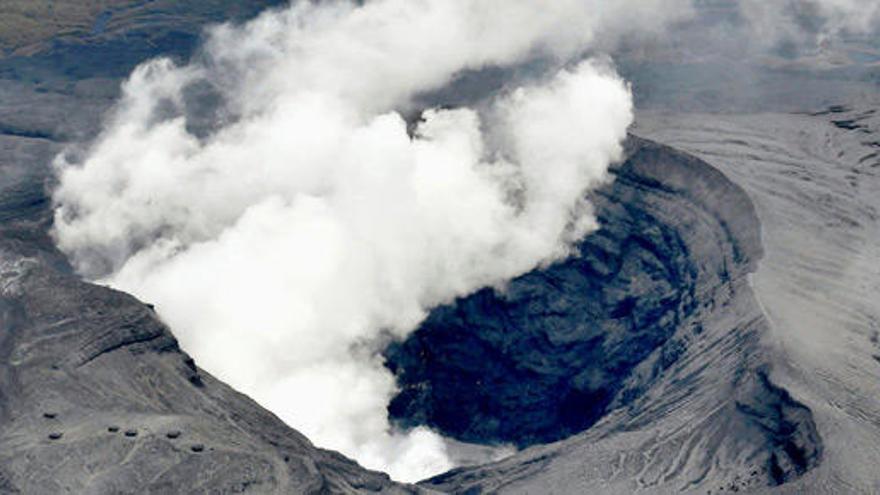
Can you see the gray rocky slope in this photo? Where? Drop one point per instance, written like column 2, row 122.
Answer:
column 718, row 334
column 814, row 180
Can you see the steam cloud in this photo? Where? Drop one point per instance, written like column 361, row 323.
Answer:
column 810, row 23
column 284, row 241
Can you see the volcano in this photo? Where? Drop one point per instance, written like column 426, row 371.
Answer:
column 719, row 331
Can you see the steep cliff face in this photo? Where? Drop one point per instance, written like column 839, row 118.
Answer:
column 649, row 343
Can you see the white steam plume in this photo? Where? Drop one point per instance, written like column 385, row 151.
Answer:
column 283, row 245
column 854, row 16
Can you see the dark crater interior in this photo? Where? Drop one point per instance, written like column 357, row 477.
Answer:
column 545, row 357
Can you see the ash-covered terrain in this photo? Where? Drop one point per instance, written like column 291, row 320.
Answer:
column 717, row 333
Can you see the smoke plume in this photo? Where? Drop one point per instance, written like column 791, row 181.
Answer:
column 285, row 219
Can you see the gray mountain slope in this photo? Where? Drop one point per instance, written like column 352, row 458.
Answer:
column 814, row 181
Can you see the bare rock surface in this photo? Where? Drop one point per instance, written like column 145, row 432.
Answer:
column 814, row 180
